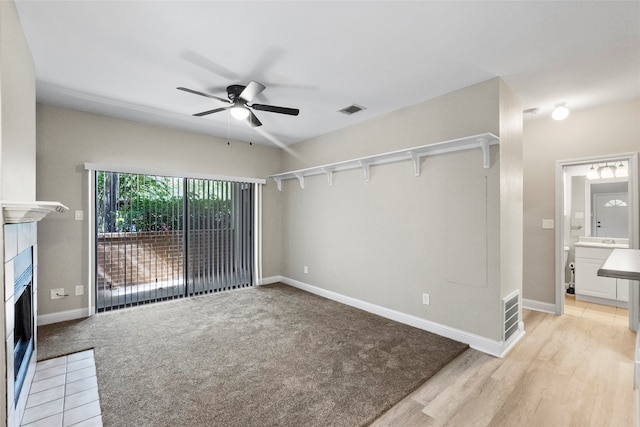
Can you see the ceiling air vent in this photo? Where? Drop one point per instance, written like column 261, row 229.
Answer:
column 351, row 109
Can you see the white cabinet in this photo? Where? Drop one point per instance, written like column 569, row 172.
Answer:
column 588, row 283
column 623, row 289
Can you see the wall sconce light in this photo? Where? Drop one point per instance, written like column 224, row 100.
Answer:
column 560, row 112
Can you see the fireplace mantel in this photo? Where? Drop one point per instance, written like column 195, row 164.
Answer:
column 19, row 212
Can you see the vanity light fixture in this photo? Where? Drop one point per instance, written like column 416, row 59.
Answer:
column 593, row 173
column 621, row 171
column 560, row 112
column 606, row 171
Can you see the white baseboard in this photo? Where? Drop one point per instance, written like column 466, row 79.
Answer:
column 62, row 316
column 485, row 345
column 545, row 307
column 603, row 301
column 270, row 280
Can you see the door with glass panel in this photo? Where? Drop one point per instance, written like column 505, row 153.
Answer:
column 160, row 237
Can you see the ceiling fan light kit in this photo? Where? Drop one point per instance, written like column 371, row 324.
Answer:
column 239, row 99
column 239, row 112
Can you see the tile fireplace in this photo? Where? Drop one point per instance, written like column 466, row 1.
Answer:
column 20, row 247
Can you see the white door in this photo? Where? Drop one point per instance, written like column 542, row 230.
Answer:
column 611, row 215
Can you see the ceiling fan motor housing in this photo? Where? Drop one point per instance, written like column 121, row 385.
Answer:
column 234, row 91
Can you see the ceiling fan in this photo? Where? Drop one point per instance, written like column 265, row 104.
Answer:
column 240, row 98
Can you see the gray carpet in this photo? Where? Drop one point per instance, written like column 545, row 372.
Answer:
column 266, row 356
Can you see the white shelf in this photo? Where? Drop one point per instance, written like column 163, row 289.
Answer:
column 19, row 212
column 414, row 154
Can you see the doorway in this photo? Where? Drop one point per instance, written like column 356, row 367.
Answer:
column 596, row 212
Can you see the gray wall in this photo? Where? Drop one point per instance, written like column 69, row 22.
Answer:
column 602, row 131
column 17, row 137
column 386, row 241
column 67, row 139
column 18, row 94
column 392, row 239
column 511, row 197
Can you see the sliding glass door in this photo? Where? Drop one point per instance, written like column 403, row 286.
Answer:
column 160, row 238
column 219, row 249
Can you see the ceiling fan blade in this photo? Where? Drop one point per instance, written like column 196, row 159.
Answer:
column 253, row 120
column 274, row 109
column 204, row 113
column 252, row 90
column 203, row 94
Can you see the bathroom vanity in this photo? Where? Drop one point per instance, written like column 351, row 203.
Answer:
column 590, row 254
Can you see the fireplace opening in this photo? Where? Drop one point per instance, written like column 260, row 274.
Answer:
column 23, row 326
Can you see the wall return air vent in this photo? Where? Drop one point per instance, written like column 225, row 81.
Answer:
column 511, row 309
column 351, row 109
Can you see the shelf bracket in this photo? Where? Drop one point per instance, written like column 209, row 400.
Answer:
column 278, row 183
column 329, row 173
column 300, row 179
column 415, row 158
column 486, row 153
column 365, row 167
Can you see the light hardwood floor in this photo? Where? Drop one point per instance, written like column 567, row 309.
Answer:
column 603, row 313
column 566, row 371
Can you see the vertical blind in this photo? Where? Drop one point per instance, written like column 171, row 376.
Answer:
column 160, row 237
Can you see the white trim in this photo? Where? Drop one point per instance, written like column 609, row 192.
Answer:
column 62, row 316
column 91, row 280
column 602, row 301
column 477, row 342
column 270, row 280
column 162, row 172
column 544, row 307
column 257, row 228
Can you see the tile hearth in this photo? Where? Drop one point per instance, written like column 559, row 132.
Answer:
column 64, row 393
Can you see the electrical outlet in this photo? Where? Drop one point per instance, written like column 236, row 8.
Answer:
column 57, row 293
column 425, row 299
column 306, row 269
column 79, row 290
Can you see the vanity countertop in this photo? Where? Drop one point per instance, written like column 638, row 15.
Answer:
column 622, row 264
column 602, row 242
column 601, row 245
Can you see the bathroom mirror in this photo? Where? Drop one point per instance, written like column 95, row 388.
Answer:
column 607, row 204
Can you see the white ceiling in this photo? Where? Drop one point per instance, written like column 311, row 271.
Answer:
column 125, row 59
